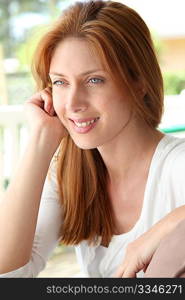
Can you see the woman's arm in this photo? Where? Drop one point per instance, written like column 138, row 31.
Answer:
column 168, row 260
column 20, row 204
column 47, row 233
column 139, row 252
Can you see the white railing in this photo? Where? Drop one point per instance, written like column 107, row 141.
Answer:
column 14, row 132
column 13, row 137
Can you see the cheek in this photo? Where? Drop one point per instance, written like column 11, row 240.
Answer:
column 57, row 103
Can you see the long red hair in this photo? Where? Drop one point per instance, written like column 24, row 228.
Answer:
column 123, row 42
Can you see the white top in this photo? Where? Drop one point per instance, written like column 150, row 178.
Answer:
column 165, row 190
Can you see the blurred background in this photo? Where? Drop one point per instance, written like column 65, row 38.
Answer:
column 22, row 23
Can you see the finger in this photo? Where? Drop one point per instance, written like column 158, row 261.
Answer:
column 117, row 275
column 52, row 112
column 119, row 272
column 145, row 268
column 36, row 99
column 43, row 99
column 49, row 90
column 44, row 96
column 129, row 274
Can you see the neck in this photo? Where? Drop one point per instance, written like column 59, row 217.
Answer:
column 131, row 149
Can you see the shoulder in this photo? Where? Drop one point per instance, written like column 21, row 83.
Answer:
column 167, row 173
column 174, row 167
column 177, row 163
column 176, row 153
column 169, row 161
column 171, row 149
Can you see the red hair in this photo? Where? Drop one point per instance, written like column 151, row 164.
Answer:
column 123, row 42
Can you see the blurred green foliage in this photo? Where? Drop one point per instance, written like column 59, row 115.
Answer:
column 20, row 85
column 10, row 11
column 174, row 82
column 25, row 51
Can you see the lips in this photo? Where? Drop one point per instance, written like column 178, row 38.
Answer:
column 84, row 127
column 83, row 120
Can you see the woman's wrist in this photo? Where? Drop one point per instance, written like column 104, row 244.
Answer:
column 45, row 141
column 169, row 222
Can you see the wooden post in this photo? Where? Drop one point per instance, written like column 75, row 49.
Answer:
column 3, row 86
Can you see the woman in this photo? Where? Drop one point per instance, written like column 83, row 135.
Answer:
column 115, row 185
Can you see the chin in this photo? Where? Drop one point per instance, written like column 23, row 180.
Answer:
column 85, row 146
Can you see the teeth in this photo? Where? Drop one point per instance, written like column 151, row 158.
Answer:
column 85, row 124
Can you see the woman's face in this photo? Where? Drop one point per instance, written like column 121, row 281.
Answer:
column 87, row 101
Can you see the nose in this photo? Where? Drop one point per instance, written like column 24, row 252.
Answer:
column 76, row 100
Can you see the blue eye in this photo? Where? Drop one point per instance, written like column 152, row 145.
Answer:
column 93, row 80
column 58, row 82
column 96, row 80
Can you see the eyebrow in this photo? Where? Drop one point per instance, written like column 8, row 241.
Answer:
column 84, row 73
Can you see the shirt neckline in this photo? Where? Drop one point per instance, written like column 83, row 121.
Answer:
column 156, row 155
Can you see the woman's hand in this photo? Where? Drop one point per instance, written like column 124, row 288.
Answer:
column 138, row 254
column 41, row 115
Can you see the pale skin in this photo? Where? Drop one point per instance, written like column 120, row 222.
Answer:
column 119, row 130
column 19, row 206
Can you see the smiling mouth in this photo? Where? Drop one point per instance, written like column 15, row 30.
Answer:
column 84, row 124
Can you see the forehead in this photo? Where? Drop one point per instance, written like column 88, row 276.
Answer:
column 75, row 53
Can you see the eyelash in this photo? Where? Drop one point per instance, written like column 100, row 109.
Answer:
column 99, row 79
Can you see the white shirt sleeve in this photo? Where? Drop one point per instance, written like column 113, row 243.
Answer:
column 47, row 233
